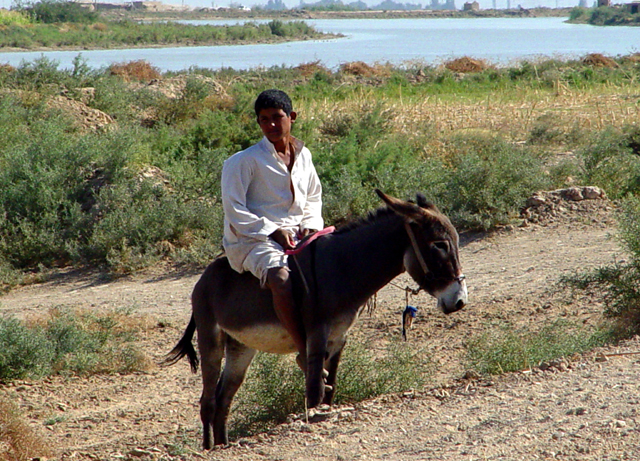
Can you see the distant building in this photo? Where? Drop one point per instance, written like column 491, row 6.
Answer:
column 128, row 5
column 634, row 8
column 471, row 6
column 604, row 3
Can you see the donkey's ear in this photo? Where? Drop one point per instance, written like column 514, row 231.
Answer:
column 424, row 203
column 409, row 210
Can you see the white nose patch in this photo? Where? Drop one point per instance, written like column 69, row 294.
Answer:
column 451, row 297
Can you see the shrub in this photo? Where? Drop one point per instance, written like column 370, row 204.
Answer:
column 604, row 16
column 399, row 368
column 27, row 352
column 52, row 11
column 135, row 70
column 610, row 163
column 274, row 387
column 8, row 18
column 141, row 224
column 490, row 181
column 577, row 13
column 618, row 284
column 39, row 73
column 547, row 129
column 78, row 342
column 508, row 349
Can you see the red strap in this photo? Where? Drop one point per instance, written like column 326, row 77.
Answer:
column 307, row 241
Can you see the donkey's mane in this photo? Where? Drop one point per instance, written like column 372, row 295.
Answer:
column 370, row 218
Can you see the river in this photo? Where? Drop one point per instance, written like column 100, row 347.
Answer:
column 501, row 41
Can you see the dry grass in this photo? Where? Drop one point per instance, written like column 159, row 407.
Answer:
column 18, row 441
column 510, row 115
column 118, row 321
column 135, row 70
column 100, row 27
column 571, row 110
column 359, row 68
column 635, row 57
column 599, row 60
column 362, row 69
column 466, row 65
column 309, row 69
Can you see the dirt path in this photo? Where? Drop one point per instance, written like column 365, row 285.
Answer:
column 586, row 411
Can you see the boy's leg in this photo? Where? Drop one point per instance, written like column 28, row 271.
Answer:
column 280, row 285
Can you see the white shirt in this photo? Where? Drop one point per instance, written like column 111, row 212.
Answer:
column 257, row 197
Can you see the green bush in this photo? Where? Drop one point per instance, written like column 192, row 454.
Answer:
column 608, row 16
column 8, row 18
column 80, row 343
column 507, row 349
column 400, row 368
column 609, row 162
column 577, row 13
column 53, row 11
column 81, row 199
column 490, row 181
column 26, row 352
column 618, row 284
column 274, row 387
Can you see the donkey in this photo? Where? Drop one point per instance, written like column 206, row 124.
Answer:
column 333, row 277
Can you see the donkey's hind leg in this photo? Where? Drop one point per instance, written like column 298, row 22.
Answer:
column 211, row 347
column 238, row 357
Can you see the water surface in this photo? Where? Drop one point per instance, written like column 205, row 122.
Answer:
column 501, row 41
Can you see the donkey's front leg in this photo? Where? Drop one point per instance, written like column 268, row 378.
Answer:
column 316, row 355
column 332, row 369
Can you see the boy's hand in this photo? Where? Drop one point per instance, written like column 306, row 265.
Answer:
column 304, row 232
column 283, row 238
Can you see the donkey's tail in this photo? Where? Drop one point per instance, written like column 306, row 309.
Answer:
column 184, row 347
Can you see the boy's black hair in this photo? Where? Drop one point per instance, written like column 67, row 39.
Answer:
column 273, row 99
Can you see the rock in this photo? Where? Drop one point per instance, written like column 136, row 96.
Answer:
column 593, row 193
column 536, row 200
column 573, row 194
column 471, row 375
column 577, row 411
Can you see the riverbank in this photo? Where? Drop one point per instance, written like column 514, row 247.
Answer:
column 224, row 13
column 617, row 15
column 131, row 34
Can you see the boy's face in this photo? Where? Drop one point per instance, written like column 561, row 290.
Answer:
column 276, row 124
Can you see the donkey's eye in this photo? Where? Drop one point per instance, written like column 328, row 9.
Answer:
column 442, row 245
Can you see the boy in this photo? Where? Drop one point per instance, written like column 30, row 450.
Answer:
column 271, row 197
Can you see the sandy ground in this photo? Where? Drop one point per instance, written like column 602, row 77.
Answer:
column 582, row 408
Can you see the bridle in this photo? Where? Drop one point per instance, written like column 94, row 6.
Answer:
column 416, row 249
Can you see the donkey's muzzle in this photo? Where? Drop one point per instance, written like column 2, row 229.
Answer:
column 454, row 297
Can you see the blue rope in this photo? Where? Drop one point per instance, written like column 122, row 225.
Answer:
column 407, row 318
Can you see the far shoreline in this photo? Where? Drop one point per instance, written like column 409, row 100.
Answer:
column 49, row 49
column 301, row 15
